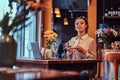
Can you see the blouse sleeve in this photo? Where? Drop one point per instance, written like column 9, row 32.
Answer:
column 92, row 50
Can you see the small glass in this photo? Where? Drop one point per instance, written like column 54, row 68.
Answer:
column 113, row 45
column 29, row 50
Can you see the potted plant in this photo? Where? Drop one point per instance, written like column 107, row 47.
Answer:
column 106, row 36
column 8, row 46
column 49, row 36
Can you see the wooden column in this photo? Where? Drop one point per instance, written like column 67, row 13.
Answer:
column 92, row 18
column 46, row 18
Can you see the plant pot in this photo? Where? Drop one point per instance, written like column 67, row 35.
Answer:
column 8, row 49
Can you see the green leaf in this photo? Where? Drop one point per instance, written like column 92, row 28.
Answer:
column 21, row 27
column 20, row 18
column 4, row 23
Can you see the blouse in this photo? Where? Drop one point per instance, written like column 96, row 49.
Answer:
column 86, row 42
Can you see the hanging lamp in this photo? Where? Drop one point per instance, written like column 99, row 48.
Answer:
column 57, row 10
column 65, row 21
column 58, row 15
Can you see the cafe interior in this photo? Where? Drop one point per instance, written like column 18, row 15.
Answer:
column 32, row 31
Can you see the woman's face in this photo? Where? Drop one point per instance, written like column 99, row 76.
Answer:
column 80, row 25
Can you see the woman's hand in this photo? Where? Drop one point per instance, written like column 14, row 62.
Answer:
column 80, row 49
column 71, row 51
column 67, row 46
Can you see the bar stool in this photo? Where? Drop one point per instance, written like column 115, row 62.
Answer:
column 114, row 58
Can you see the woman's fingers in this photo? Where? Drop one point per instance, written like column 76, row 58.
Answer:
column 80, row 49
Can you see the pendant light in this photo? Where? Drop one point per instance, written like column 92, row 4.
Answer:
column 58, row 15
column 57, row 10
column 65, row 21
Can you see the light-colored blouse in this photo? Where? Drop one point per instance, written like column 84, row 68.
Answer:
column 87, row 43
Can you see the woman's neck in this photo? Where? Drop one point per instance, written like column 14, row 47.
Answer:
column 80, row 34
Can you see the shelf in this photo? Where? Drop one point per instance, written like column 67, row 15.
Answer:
column 110, row 17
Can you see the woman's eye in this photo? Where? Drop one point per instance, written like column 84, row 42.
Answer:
column 81, row 23
column 76, row 23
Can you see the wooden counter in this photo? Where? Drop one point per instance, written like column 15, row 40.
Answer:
column 62, row 64
column 36, row 74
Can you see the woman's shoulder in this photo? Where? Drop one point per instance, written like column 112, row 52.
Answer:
column 74, row 38
column 91, row 38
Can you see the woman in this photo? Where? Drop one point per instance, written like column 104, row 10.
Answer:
column 81, row 46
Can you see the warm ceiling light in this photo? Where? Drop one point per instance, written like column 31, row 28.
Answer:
column 58, row 15
column 65, row 21
column 57, row 10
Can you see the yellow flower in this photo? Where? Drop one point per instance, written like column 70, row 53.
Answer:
column 50, row 35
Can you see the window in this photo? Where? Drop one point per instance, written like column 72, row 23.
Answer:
column 3, row 9
column 25, row 36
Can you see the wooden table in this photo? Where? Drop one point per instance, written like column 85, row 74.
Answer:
column 36, row 74
column 62, row 64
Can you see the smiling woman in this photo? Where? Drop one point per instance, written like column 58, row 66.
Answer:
column 81, row 46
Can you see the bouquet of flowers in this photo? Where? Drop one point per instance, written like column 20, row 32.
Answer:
column 50, row 36
column 106, row 35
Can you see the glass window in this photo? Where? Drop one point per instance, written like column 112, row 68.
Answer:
column 25, row 36
column 3, row 9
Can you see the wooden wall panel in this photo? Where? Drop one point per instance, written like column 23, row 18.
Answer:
column 92, row 18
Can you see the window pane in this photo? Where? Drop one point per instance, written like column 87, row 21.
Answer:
column 30, row 35
column 25, row 36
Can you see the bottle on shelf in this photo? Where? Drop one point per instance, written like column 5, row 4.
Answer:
column 118, row 12
column 113, row 11
column 106, row 12
column 109, row 12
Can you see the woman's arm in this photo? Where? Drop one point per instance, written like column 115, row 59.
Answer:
column 91, row 53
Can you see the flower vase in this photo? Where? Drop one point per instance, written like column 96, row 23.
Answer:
column 49, row 53
column 106, row 46
column 8, row 49
column 43, row 51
